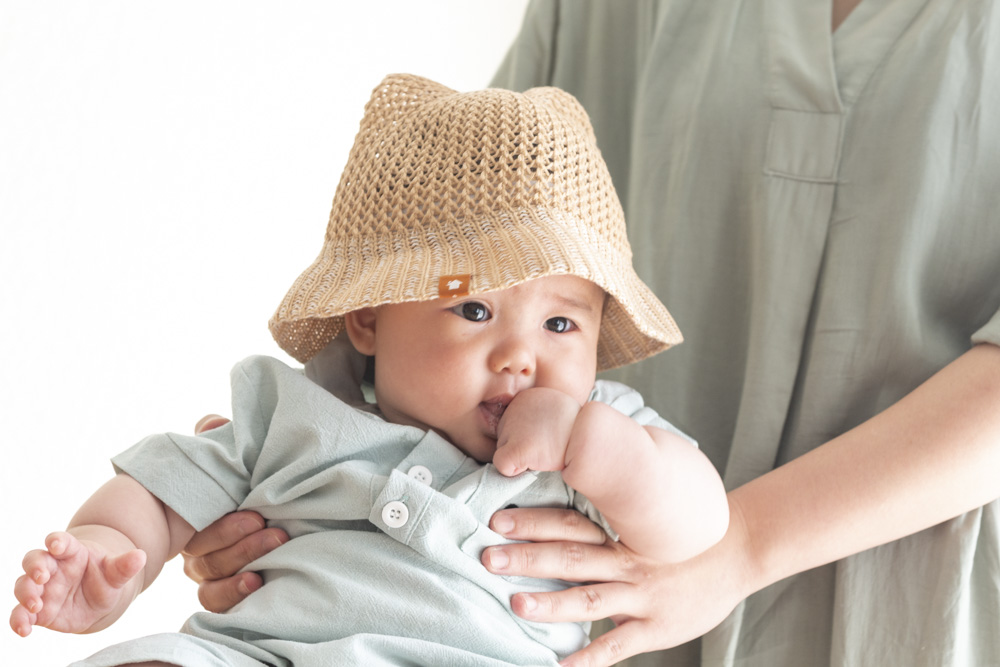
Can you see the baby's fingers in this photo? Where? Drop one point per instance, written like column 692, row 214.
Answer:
column 515, row 456
column 118, row 570
column 62, row 545
column 28, row 592
column 29, row 596
column 29, row 588
column 512, row 459
column 21, row 620
column 38, row 565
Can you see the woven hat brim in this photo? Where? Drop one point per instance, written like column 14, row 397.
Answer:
column 499, row 251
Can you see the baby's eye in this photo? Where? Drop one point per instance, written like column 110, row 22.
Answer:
column 559, row 324
column 472, row 311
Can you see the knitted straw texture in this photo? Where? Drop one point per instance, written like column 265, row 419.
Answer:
column 503, row 186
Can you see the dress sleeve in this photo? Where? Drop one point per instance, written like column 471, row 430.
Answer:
column 630, row 403
column 530, row 59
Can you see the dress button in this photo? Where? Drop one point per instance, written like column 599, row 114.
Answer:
column 395, row 514
column 421, row 474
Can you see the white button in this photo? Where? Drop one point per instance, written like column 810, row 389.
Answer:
column 421, row 474
column 395, row 514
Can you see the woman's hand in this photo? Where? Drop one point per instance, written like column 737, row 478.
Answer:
column 928, row 458
column 654, row 606
column 214, row 556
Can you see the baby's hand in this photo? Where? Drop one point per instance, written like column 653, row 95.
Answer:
column 534, row 431
column 71, row 586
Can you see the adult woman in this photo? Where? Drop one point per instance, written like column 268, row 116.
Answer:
column 818, row 208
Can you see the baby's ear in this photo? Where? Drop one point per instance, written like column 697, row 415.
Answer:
column 360, row 326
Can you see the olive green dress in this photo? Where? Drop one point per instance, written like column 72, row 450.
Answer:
column 821, row 213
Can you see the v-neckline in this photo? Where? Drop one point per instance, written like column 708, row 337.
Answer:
column 834, row 28
column 864, row 39
column 813, row 68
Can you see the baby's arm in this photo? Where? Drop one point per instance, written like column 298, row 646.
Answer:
column 89, row 574
column 661, row 494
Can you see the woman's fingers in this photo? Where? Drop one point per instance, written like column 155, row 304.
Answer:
column 215, row 555
column 624, row 602
column 547, row 525
column 227, row 561
column 223, row 534
column 561, row 544
column 590, row 602
column 208, row 422
column 221, row 595
column 656, row 605
column 611, row 647
column 548, row 560
column 570, row 561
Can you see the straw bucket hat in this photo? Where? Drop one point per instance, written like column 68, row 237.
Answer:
column 447, row 194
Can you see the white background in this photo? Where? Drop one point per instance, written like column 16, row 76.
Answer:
column 166, row 171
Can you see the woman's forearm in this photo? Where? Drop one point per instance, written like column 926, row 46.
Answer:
column 930, row 457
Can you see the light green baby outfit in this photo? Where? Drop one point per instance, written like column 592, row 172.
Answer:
column 387, row 522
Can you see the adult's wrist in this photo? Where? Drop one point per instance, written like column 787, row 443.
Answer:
column 745, row 551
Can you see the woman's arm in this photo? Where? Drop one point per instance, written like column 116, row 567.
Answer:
column 928, row 458
column 932, row 456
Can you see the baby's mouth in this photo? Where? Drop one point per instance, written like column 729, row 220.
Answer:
column 492, row 410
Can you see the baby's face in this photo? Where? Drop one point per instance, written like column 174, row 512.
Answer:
column 453, row 365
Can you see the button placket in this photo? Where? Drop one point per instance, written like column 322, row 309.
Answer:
column 434, row 461
column 792, row 132
column 399, row 505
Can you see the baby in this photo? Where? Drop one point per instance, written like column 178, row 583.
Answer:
column 476, row 255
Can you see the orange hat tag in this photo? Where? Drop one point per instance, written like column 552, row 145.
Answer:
column 449, row 286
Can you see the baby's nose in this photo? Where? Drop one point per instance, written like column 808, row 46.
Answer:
column 513, row 356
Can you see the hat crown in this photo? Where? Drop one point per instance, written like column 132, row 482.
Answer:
column 428, row 157
column 500, row 186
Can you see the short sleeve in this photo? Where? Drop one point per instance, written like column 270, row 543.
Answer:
column 990, row 332
column 582, row 504
column 204, row 477
column 630, row 403
column 194, row 476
